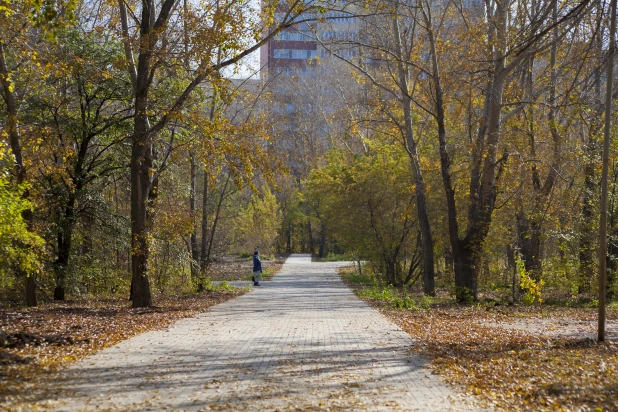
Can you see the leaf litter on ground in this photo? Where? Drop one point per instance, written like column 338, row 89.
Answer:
column 51, row 336
column 516, row 365
column 35, row 342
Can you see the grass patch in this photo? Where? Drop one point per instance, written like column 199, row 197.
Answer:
column 396, row 298
column 368, row 287
column 351, row 276
column 223, row 287
column 333, row 257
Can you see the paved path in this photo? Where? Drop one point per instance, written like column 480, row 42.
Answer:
column 303, row 341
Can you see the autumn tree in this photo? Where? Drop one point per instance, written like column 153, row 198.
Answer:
column 366, row 201
column 388, row 71
column 83, row 113
column 504, row 52
column 221, row 39
column 25, row 24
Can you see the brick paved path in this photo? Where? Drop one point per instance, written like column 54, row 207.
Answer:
column 300, row 342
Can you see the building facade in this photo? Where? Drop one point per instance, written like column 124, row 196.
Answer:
column 297, row 50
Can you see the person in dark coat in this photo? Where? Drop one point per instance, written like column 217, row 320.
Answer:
column 257, row 269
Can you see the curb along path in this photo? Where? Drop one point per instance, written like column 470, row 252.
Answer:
column 302, row 341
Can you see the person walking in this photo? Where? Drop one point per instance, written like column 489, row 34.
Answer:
column 257, row 268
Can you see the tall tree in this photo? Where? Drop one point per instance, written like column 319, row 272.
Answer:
column 84, row 113
column 393, row 77
column 228, row 28
column 10, row 101
column 18, row 20
column 504, row 55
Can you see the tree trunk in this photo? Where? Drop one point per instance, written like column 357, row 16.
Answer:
column 466, row 261
column 419, row 183
column 143, row 187
column 612, row 264
column 140, row 248
column 216, row 219
column 65, row 239
column 20, row 169
column 587, row 242
column 322, row 245
column 195, row 253
column 141, row 174
column 460, row 261
column 529, row 239
column 487, row 167
column 67, row 224
column 204, row 248
column 88, row 243
column 482, row 196
column 389, row 266
column 310, row 230
column 289, row 238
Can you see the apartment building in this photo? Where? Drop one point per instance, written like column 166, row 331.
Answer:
column 297, row 50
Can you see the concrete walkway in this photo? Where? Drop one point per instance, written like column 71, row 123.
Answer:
column 302, row 341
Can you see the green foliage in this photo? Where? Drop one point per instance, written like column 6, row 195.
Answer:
column 20, row 249
column 398, row 299
column 405, row 302
column 379, row 292
column 170, row 266
column 258, row 224
column 366, row 203
column 425, row 302
column 90, row 275
column 223, row 286
column 266, row 275
column 464, row 295
column 353, row 277
column 532, row 289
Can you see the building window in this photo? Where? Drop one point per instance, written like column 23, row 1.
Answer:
column 338, row 35
column 339, row 17
column 292, row 36
column 279, row 17
column 294, row 54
